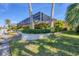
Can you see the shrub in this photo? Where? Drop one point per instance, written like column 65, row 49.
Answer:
column 19, row 26
column 36, row 31
column 14, row 27
column 64, row 29
column 42, row 26
column 23, row 27
column 77, row 29
column 59, row 25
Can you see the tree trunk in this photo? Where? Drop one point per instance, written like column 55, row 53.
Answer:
column 31, row 17
column 52, row 17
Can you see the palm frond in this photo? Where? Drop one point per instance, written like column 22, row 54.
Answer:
column 72, row 14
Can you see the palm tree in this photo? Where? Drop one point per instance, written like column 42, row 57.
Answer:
column 8, row 23
column 72, row 15
column 31, row 18
column 52, row 16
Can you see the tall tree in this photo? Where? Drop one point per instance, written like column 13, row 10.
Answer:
column 72, row 14
column 52, row 16
column 7, row 22
column 31, row 17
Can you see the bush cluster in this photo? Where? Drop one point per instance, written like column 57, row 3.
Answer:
column 42, row 26
column 36, row 31
column 59, row 26
column 77, row 29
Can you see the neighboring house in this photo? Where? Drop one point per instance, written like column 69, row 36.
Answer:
column 37, row 18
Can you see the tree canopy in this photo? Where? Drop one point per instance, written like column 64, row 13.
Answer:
column 72, row 14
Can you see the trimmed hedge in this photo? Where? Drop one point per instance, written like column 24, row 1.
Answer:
column 36, row 31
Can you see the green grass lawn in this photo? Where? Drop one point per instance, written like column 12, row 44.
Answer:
column 62, row 45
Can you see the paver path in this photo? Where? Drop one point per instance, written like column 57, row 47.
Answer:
column 4, row 48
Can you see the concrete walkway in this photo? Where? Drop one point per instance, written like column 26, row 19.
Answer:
column 4, row 48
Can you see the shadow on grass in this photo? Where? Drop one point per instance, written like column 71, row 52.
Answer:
column 18, row 48
column 71, row 32
column 67, row 47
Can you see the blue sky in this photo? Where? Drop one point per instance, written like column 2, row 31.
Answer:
column 18, row 12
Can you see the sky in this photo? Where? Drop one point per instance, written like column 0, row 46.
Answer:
column 17, row 12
